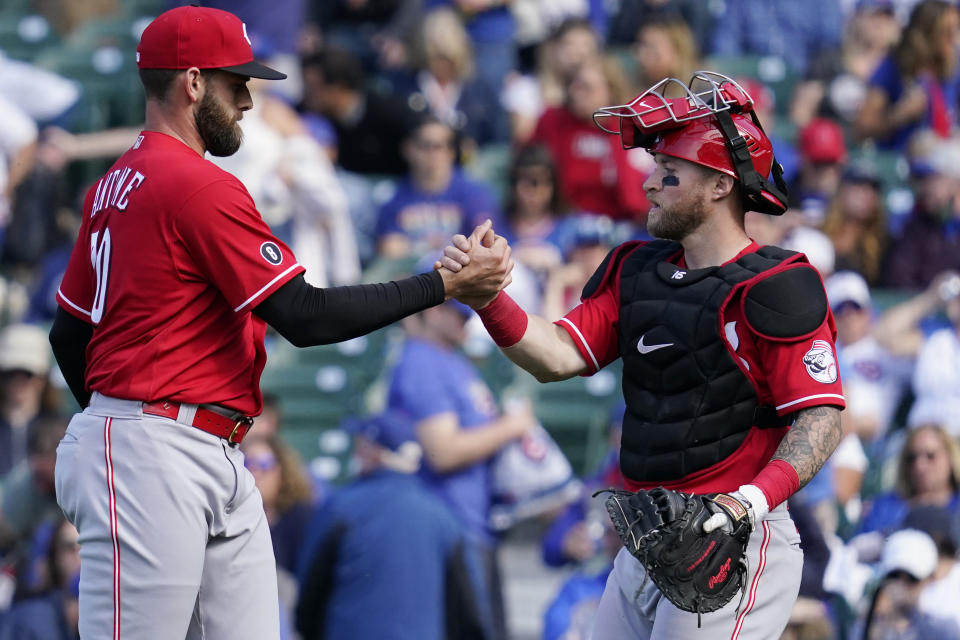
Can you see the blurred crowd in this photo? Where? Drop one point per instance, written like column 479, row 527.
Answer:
column 404, row 122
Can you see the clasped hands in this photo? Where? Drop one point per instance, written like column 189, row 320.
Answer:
column 475, row 268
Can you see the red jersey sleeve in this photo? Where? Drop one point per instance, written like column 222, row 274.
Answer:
column 789, row 374
column 231, row 246
column 75, row 294
column 593, row 325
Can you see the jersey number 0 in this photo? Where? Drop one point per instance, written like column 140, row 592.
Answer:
column 100, row 259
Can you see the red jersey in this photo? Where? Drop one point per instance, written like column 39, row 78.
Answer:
column 782, row 371
column 596, row 173
column 172, row 256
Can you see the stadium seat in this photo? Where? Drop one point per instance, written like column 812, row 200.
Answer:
column 16, row 7
column 491, row 164
column 577, row 411
column 318, row 387
column 498, row 371
column 24, row 35
column 893, row 171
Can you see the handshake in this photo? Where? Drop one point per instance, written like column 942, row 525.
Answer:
column 475, row 269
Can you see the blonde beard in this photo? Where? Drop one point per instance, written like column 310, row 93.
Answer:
column 671, row 225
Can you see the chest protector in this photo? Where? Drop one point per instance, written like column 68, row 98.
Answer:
column 689, row 404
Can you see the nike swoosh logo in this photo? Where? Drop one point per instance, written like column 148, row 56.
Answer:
column 647, row 348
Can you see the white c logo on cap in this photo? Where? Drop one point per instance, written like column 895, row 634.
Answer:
column 245, row 36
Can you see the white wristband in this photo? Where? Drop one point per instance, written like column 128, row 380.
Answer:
column 758, row 502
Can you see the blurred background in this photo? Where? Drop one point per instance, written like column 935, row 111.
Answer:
column 403, row 122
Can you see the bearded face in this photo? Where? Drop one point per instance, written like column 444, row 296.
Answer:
column 679, row 217
column 679, row 193
column 219, row 130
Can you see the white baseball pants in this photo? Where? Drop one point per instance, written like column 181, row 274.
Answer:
column 174, row 542
column 633, row 608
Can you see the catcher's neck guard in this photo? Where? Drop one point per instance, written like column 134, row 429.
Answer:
column 677, row 126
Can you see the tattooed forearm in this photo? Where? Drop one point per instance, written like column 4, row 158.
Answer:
column 810, row 441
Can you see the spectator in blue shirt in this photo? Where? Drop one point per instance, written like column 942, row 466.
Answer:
column 436, row 200
column 51, row 614
column 928, row 473
column 917, row 85
column 457, row 423
column 384, row 557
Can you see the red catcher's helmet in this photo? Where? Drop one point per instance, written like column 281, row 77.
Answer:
column 702, row 142
column 714, row 127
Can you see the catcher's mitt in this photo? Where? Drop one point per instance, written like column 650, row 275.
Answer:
column 697, row 571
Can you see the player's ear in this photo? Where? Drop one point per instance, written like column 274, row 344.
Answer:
column 721, row 185
column 194, row 83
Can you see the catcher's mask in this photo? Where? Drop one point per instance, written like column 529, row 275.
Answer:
column 713, row 124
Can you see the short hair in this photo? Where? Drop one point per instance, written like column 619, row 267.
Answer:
column 426, row 120
column 156, row 82
column 338, row 66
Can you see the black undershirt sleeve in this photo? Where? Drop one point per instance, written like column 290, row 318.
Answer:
column 69, row 337
column 307, row 315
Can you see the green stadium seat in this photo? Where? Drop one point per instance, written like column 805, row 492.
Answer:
column 883, row 299
column 327, row 453
column 893, row 171
column 576, row 412
column 497, row 370
column 491, row 164
column 140, row 8
column 318, row 387
column 23, row 36
column 16, row 7
column 891, row 167
column 112, row 95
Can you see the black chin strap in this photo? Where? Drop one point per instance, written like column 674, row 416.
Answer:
column 756, row 188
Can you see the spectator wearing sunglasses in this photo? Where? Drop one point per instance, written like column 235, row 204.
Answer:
column 436, row 199
column 928, row 473
column 287, row 494
column 874, row 383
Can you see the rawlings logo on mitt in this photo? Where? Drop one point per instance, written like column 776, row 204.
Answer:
column 697, row 571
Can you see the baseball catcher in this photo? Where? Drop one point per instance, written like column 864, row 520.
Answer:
column 729, row 373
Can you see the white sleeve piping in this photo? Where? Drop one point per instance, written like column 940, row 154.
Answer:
column 583, row 341
column 805, row 398
column 70, row 302
column 266, row 286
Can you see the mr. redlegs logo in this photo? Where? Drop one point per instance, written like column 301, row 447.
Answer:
column 721, row 575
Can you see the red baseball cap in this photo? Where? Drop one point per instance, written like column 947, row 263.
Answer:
column 200, row 37
column 822, row 141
